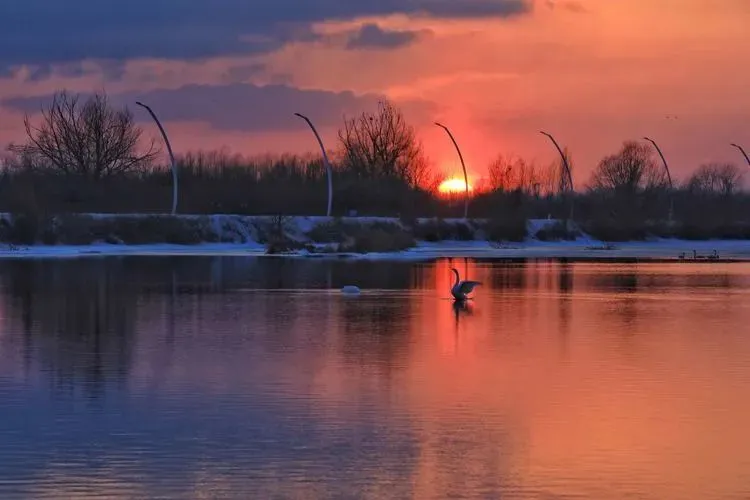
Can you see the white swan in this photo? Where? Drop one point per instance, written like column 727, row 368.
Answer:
column 461, row 289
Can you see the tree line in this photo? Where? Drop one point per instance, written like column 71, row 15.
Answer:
column 86, row 155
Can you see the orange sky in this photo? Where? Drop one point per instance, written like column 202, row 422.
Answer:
column 592, row 72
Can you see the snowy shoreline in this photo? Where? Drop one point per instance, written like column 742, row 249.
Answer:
column 579, row 250
column 243, row 236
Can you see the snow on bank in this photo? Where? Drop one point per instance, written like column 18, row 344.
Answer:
column 240, row 235
column 662, row 249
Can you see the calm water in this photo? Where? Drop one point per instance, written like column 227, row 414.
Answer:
column 252, row 378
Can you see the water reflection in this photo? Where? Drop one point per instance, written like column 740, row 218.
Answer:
column 237, row 377
column 83, row 322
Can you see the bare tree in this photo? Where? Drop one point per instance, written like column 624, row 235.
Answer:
column 88, row 138
column 511, row 173
column 629, row 171
column 383, row 145
column 716, row 179
column 500, row 173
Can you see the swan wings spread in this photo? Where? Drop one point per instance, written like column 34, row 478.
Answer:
column 466, row 287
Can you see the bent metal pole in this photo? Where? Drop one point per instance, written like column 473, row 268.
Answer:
column 743, row 153
column 325, row 160
column 463, row 166
column 171, row 156
column 567, row 168
column 669, row 176
column 663, row 160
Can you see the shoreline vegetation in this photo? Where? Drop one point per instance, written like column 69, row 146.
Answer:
column 320, row 236
column 85, row 176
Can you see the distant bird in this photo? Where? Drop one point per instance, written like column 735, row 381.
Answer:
column 350, row 290
column 461, row 289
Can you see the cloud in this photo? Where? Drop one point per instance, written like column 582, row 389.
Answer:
column 372, row 36
column 569, row 5
column 240, row 107
column 243, row 72
column 40, row 32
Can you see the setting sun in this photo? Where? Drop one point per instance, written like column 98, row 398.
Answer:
column 454, row 185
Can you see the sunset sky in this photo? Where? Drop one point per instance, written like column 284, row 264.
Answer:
column 231, row 73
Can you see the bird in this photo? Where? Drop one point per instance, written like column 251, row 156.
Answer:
column 461, row 289
column 350, row 290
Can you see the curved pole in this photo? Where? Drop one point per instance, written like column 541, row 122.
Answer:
column 669, row 176
column 463, row 166
column 325, row 160
column 664, row 160
column 171, row 156
column 564, row 159
column 743, row 153
column 567, row 168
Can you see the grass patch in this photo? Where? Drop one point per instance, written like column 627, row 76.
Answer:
column 363, row 237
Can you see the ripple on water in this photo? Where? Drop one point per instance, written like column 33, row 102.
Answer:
column 245, row 378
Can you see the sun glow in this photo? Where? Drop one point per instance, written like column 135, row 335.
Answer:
column 454, row 185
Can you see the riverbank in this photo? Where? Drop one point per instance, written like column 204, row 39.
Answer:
column 92, row 235
column 591, row 251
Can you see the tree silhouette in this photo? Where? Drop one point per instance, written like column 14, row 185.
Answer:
column 89, row 138
column 383, row 145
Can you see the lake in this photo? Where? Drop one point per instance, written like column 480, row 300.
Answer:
column 231, row 377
